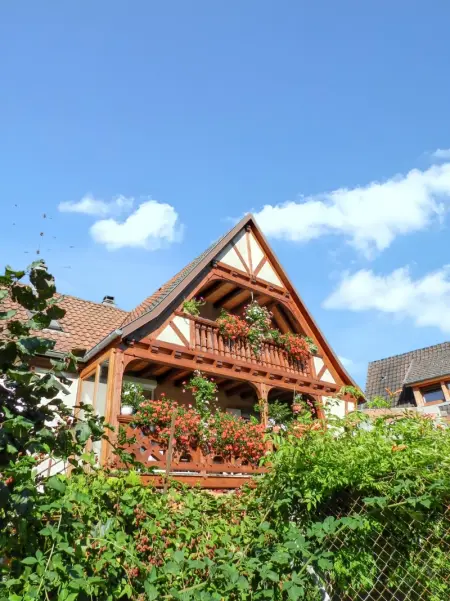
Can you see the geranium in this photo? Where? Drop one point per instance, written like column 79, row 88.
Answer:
column 297, row 346
column 232, row 326
column 232, row 436
column 156, row 416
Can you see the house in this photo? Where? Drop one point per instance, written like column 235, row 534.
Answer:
column 419, row 379
column 159, row 345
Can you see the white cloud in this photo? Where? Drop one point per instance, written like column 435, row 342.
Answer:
column 151, row 226
column 89, row 205
column 441, row 154
column 426, row 301
column 347, row 363
column 370, row 217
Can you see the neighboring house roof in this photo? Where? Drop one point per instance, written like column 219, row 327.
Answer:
column 83, row 326
column 429, row 368
column 395, row 372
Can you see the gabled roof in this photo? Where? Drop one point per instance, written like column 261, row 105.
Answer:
column 152, row 302
column 409, row 368
column 153, row 306
column 83, row 326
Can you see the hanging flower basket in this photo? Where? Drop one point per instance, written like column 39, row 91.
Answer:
column 255, row 326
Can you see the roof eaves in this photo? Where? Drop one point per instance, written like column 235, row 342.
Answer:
column 197, row 266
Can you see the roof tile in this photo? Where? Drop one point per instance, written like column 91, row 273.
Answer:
column 84, row 325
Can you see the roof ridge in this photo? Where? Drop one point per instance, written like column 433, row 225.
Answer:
column 98, row 304
column 172, row 283
column 425, row 348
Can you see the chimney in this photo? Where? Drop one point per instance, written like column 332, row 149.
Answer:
column 109, row 300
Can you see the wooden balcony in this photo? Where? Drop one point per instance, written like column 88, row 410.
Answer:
column 206, row 338
column 193, row 467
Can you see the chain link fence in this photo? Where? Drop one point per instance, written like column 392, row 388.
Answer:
column 395, row 552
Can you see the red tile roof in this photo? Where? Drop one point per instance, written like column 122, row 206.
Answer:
column 84, row 325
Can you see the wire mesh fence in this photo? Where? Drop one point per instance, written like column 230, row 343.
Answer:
column 387, row 552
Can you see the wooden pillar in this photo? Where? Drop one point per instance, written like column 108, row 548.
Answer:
column 117, row 366
column 263, row 399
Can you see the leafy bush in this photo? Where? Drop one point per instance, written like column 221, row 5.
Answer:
column 358, row 511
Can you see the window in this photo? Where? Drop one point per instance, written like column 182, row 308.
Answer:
column 431, row 395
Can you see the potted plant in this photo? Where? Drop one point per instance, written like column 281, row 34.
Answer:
column 132, row 398
column 192, row 306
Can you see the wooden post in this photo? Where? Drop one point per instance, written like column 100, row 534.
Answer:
column 113, row 398
column 263, row 399
column 169, row 451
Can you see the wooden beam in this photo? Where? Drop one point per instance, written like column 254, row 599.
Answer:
column 239, row 300
column 227, row 297
column 218, row 366
column 211, row 289
column 293, row 325
column 182, row 375
column 170, row 375
column 248, row 394
column 221, row 291
column 236, row 389
column 281, row 320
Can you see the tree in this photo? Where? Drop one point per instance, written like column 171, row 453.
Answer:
column 34, row 422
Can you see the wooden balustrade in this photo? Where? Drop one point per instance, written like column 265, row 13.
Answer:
column 192, row 467
column 207, row 338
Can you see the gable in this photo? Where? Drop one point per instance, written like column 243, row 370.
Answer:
column 245, row 253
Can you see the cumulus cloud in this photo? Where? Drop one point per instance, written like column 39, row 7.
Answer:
column 88, row 205
column 426, row 300
column 441, row 154
column 151, row 226
column 370, row 217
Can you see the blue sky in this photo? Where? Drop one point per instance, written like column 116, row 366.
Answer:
column 210, row 110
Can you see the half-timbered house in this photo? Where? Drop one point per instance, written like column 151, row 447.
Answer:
column 159, row 345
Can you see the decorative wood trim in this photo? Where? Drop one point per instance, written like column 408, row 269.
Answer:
column 260, row 266
column 323, row 369
column 248, row 233
column 242, row 278
column 241, row 258
column 179, row 333
column 446, row 391
column 226, row 366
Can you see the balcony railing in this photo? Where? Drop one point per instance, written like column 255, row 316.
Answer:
column 206, row 338
column 191, row 467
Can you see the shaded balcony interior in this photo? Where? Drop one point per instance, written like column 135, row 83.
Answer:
column 233, row 298
column 234, row 396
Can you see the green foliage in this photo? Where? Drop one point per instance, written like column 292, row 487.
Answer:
column 192, row 306
column 351, row 391
column 280, row 413
column 378, row 402
column 359, row 510
column 204, row 391
column 132, row 395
